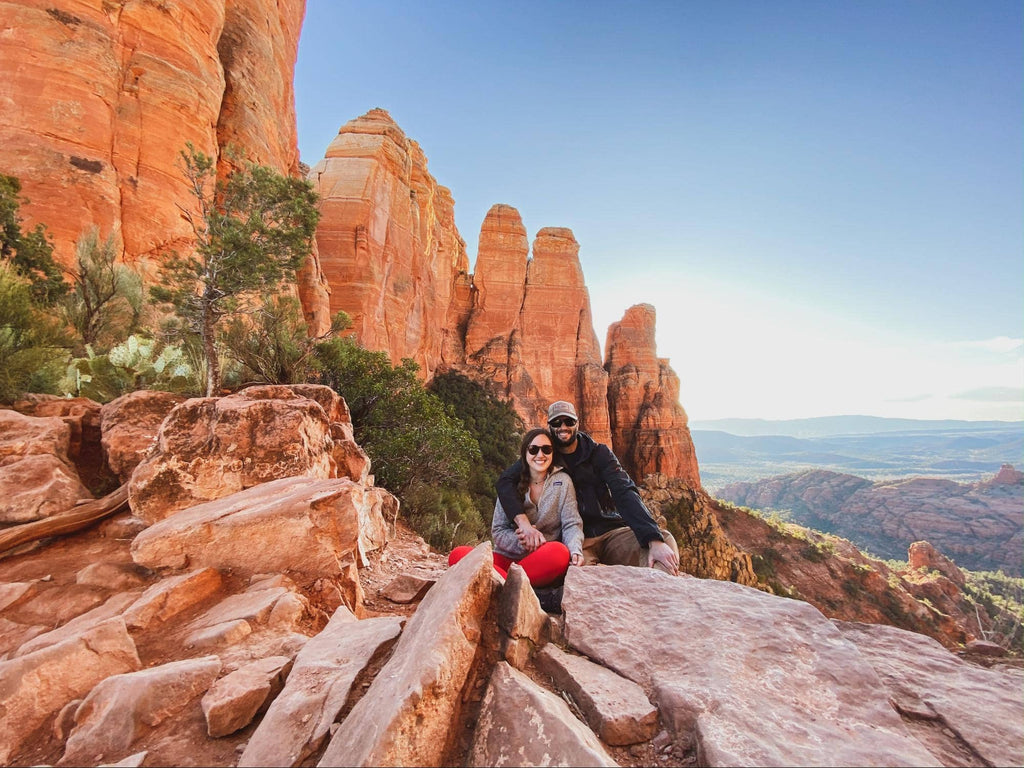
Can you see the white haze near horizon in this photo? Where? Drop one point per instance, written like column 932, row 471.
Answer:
column 743, row 354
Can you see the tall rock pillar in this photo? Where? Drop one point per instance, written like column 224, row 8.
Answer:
column 648, row 425
column 387, row 240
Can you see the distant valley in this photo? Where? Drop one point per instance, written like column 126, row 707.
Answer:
column 979, row 525
column 744, row 450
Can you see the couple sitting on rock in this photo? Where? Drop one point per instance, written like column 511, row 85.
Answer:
column 567, row 500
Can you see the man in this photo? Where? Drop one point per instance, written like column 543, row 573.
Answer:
column 618, row 528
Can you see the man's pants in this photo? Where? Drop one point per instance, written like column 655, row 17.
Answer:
column 620, row 547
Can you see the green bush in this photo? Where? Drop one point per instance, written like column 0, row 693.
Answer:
column 413, row 440
column 495, row 425
column 33, row 344
column 29, row 253
column 105, row 302
column 272, row 345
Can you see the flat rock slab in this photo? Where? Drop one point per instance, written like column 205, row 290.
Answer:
column 616, row 709
column 296, row 524
column 319, row 685
column 118, row 710
column 234, row 700
column 406, row 589
column 984, row 707
column 170, row 596
column 37, row 685
column 520, row 723
column 80, row 624
column 753, row 678
column 406, row 715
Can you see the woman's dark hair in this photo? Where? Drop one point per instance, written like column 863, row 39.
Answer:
column 524, row 476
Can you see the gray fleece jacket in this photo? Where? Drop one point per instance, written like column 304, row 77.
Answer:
column 555, row 515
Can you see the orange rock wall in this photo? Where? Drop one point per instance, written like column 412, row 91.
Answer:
column 99, row 97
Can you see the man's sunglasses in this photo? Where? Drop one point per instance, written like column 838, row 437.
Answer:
column 565, row 421
column 533, row 450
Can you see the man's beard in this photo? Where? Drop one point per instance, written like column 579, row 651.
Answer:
column 559, row 443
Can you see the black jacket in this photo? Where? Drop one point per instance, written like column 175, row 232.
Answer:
column 606, row 496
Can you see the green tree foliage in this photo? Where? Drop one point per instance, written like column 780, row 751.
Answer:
column 1002, row 597
column 496, row 427
column 252, row 230
column 273, row 345
column 33, row 345
column 30, row 253
column 105, row 302
column 415, row 443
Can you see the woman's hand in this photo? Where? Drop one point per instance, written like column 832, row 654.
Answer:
column 529, row 537
column 576, row 559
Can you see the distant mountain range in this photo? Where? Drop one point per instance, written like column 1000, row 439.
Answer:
column 738, row 450
column 829, row 426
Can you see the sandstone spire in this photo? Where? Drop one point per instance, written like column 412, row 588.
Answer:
column 649, row 426
column 387, row 239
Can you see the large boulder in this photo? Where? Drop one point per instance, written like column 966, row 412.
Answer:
column 129, row 427
column 764, row 680
column 406, row 716
column 522, row 724
column 296, row 524
column 209, row 448
column 37, row 478
column 123, row 707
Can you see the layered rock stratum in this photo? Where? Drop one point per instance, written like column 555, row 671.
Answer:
column 979, row 525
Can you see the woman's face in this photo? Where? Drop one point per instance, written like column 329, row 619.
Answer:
column 539, row 453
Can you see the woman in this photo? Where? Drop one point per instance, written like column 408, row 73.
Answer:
column 548, row 536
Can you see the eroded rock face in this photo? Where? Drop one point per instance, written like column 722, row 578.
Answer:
column 129, row 427
column 209, row 448
column 101, row 98
column 404, row 717
column 37, row 478
column 705, row 550
column 387, row 239
column 649, row 427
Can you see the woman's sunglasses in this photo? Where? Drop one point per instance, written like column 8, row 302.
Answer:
column 533, row 450
column 564, row 421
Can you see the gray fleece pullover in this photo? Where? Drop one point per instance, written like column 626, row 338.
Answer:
column 555, row 515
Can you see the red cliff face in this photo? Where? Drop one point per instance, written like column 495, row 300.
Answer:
column 649, row 426
column 98, row 99
column 387, row 239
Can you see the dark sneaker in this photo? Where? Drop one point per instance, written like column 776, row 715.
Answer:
column 550, row 598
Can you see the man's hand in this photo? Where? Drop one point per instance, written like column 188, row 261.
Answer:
column 661, row 553
column 529, row 537
column 576, row 559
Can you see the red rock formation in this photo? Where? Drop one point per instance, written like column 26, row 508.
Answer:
column 98, row 99
column 529, row 331
column 649, row 426
column 387, row 239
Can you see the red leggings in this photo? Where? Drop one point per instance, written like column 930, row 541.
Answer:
column 544, row 565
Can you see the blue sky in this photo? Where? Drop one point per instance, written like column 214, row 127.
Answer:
column 823, row 201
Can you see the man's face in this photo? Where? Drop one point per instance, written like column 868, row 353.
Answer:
column 563, row 430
